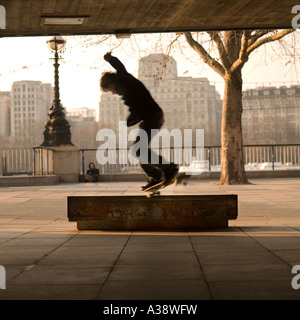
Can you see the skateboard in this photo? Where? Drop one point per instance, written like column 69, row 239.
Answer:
column 180, row 178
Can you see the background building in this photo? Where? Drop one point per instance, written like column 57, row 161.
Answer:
column 81, row 113
column 271, row 115
column 5, row 114
column 188, row 103
column 84, row 127
column 30, row 104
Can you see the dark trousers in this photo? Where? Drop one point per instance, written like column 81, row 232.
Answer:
column 153, row 171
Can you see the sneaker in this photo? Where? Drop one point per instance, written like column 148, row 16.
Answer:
column 153, row 183
column 146, row 186
column 171, row 172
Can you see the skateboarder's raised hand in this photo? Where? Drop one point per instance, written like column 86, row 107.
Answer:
column 107, row 56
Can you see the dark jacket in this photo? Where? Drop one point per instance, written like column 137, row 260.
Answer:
column 93, row 171
column 135, row 95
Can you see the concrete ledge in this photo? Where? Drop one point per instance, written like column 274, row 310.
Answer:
column 25, row 180
column 265, row 174
column 188, row 212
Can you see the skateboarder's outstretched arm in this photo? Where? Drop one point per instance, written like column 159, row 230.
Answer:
column 115, row 63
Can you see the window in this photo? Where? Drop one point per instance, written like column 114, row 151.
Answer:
column 290, row 110
column 290, row 91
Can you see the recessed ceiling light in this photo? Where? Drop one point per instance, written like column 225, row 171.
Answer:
column 63, row 21
column 122, row 34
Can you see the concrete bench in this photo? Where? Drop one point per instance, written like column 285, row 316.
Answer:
column 166, row 212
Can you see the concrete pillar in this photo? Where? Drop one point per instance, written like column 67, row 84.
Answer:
column 66, row 163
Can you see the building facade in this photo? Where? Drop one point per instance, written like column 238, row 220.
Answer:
column 271, row 115
column 188, row 103
column 81, row 113
column 30, row 104
column 84, row 127
column 5, row 114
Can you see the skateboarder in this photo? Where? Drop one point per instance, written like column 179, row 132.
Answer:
column 143, row 110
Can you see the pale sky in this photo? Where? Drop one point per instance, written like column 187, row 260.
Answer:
column 79, row 83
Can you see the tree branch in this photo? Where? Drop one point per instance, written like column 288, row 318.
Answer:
column 243, row 55
column 171, row 44
column 215, row 36
column 215, row 65
column 257, row 35
column 271, row 38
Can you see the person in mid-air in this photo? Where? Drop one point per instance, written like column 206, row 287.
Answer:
column 144, row 110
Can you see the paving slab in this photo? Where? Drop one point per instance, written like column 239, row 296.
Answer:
column 154, row 258
column 40, row 274
column 156, row 271
column 50, row 292
column 155, row 289
column 254, row 290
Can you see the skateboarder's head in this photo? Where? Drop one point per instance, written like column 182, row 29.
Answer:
column 109, row 82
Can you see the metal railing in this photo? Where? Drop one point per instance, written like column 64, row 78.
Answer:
column 16, row 161
column 30, row 161
column 39, row 161
column 256, row 157
column 43, row 161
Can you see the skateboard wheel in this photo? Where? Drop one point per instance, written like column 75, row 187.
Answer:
column 153, row 194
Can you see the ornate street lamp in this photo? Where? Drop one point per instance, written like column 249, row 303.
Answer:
column 57, row 129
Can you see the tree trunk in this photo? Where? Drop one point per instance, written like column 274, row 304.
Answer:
column 232, row 163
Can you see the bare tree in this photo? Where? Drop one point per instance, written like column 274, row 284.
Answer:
column 234, row 49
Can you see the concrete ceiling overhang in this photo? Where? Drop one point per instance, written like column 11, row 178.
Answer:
column 30, row 17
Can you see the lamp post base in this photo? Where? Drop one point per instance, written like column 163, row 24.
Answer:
column 57, row 129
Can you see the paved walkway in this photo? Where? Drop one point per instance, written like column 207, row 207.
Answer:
column 46, row 257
